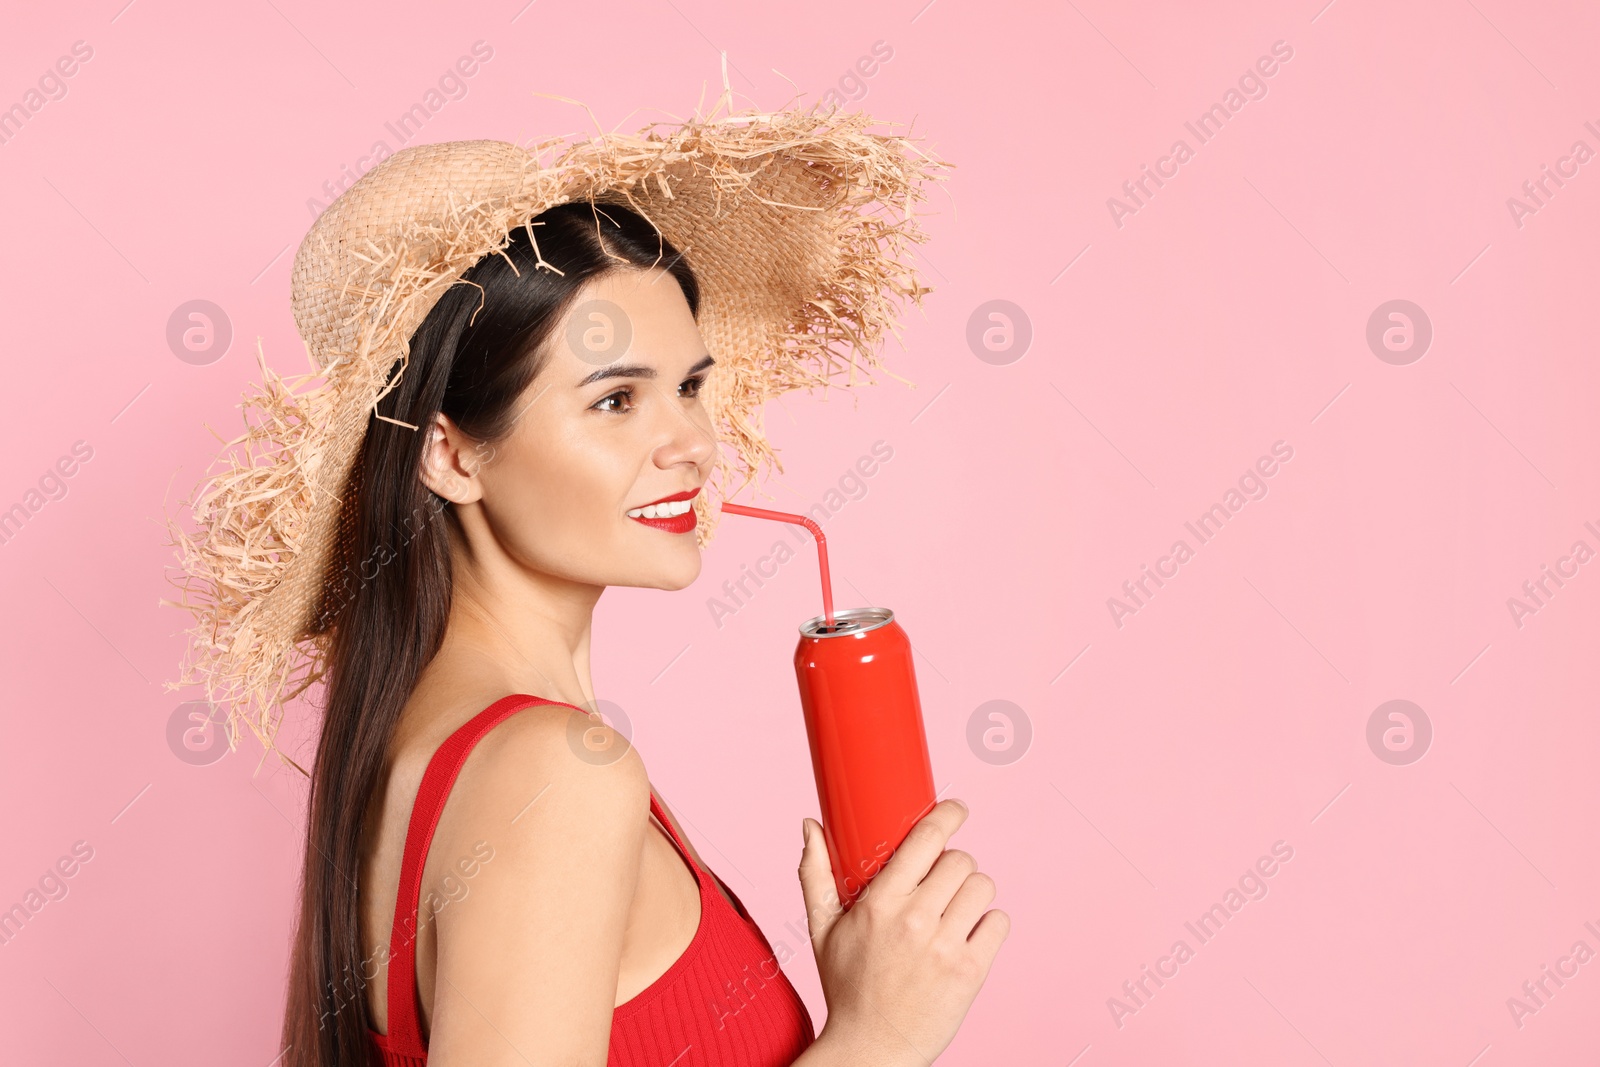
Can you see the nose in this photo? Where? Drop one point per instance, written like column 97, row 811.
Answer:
column 686, row 440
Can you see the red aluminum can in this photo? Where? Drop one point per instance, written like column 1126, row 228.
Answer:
column 869, row 750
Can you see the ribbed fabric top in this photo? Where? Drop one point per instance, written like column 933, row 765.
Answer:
column 725, row 1001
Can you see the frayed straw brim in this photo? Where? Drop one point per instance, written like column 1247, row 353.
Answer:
column 797, row 224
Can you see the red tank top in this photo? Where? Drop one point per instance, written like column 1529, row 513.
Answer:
column 725, row 1001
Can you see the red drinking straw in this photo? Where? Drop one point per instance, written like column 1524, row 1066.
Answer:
column 816, row 532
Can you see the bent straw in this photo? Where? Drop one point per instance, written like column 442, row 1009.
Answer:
column 816, row 532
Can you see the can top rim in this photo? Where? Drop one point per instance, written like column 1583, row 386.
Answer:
column 847, row 623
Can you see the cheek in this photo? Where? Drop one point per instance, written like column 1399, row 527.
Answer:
column 564, row 493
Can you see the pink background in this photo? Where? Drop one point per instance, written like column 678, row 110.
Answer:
column 1229, row 312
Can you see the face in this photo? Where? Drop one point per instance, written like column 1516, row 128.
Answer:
column 595, row 483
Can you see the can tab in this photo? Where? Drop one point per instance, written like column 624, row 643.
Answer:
column 847, row 622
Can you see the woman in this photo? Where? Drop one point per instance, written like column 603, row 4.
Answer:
column 490, row 879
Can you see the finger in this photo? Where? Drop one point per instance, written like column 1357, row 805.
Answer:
column 816, row 882
column 988, row 934
column 967, row 904
column 949, row 871
column 922, row 847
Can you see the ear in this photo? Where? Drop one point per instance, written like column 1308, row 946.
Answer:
column 450, row 461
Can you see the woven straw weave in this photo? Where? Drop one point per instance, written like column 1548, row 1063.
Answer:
column 797, row 225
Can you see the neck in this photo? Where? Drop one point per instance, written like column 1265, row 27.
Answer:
column 533, row 627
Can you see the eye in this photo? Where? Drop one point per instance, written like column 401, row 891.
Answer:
column 691, row 386
column 621, row 396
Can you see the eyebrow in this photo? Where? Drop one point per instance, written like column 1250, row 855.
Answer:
column 636, row 370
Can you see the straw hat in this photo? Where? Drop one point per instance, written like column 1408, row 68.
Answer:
column 796, row 224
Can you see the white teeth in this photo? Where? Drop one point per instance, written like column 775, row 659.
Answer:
column 662, row 511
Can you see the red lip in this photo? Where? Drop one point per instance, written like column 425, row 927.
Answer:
column 678, row 524
column 687, row 494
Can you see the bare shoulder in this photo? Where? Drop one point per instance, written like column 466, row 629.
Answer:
column 550, row 758
column 545, row 782
column 528, row 950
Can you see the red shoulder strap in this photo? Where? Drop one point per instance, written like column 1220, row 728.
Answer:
column 405, row 1032
column 666, row 824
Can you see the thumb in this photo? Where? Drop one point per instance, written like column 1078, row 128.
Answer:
column 816, row 883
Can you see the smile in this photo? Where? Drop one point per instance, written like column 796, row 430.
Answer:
column 672, row 514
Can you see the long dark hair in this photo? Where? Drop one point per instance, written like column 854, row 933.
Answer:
column 386, row 602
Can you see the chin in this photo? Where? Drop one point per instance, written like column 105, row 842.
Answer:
column 683, row 574
column 654, row 560
column 670, row 571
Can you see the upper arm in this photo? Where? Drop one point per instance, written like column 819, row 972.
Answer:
column 527, row 959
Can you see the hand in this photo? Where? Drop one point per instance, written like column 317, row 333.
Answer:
column 900, row 968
